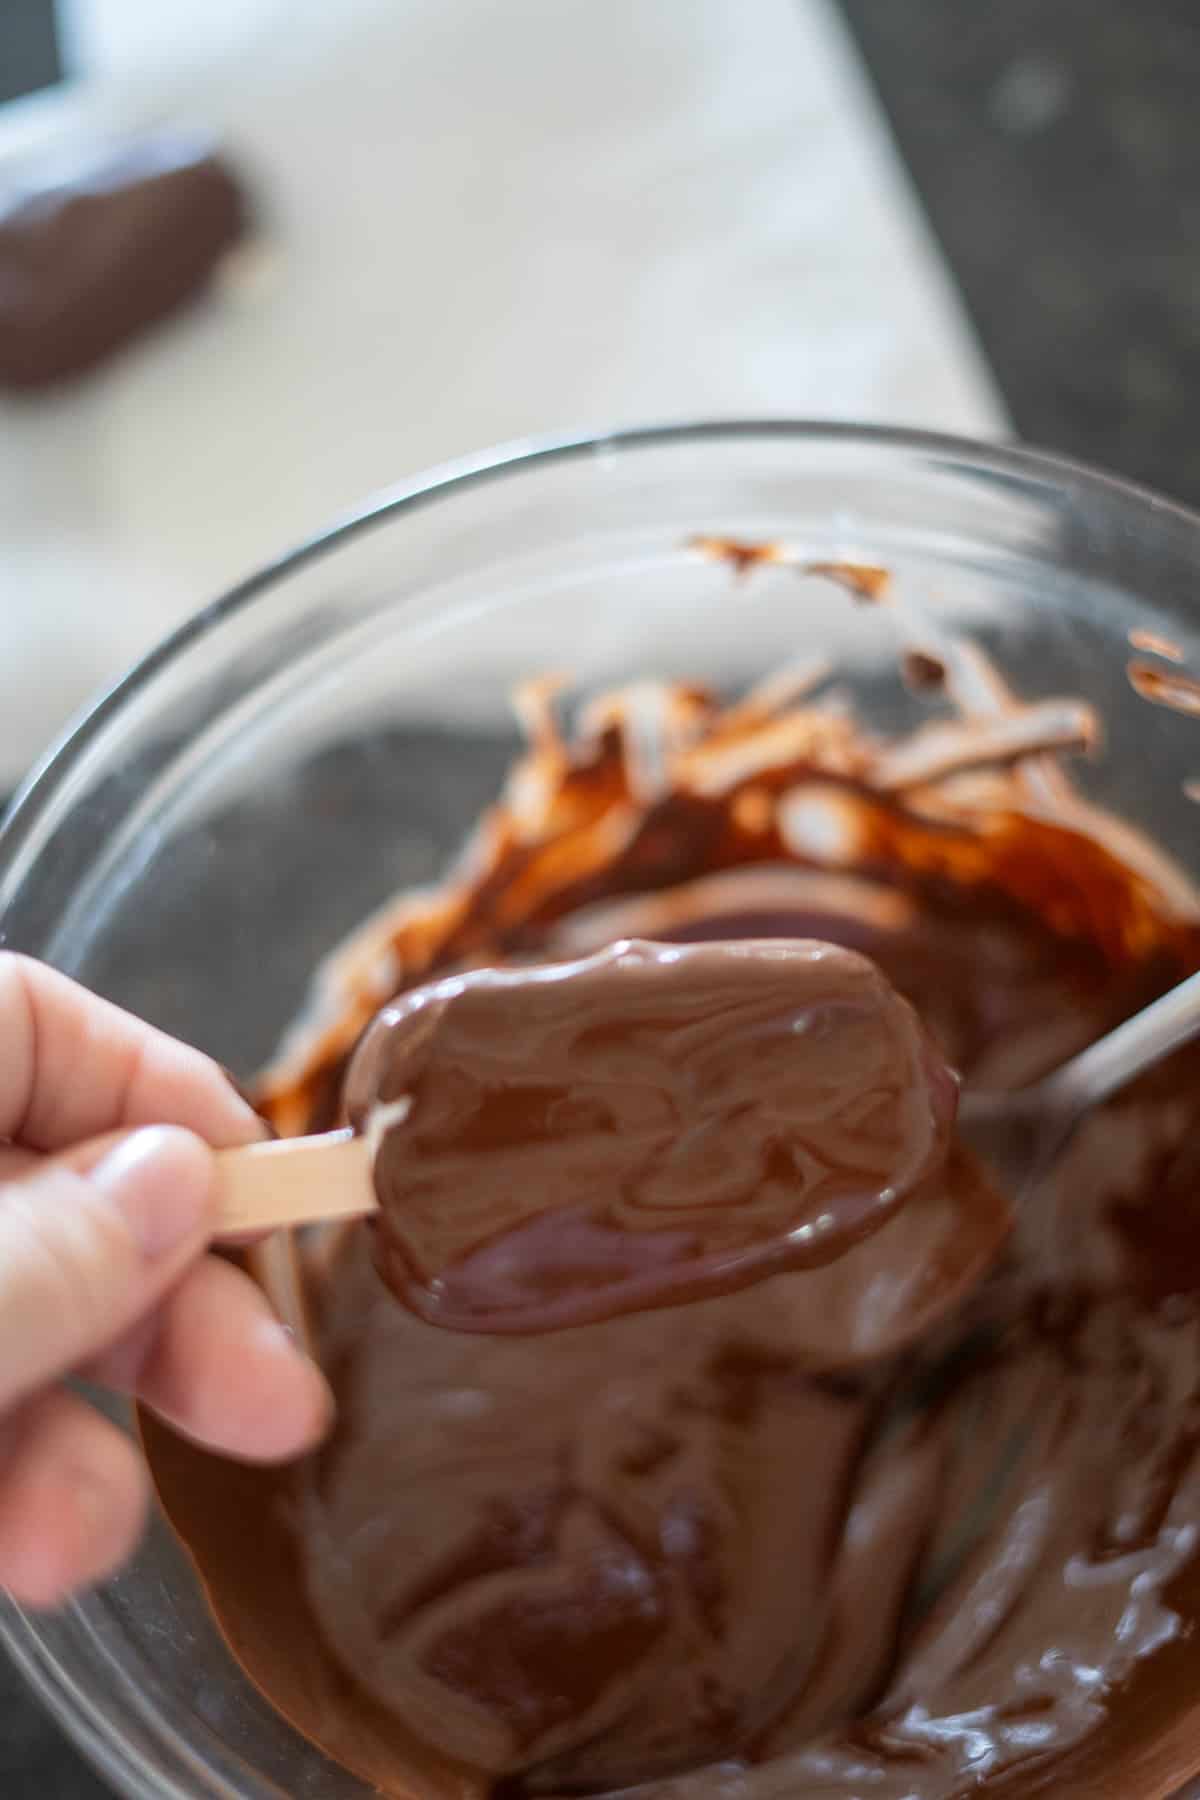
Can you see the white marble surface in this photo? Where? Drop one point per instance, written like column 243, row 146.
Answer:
column 480, row 221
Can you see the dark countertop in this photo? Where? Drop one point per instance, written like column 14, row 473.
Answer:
column 1056, row 144
column 29, row 56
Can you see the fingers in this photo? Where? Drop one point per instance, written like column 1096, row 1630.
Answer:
column 83, row 1255
column 218, row 1366
column 72, row 1499
column 74, row 1066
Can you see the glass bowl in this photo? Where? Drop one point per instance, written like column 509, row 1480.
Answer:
column 328, row 732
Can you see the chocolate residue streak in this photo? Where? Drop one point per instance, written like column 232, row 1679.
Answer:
column 921, row 672
column 1165, row 688
column 1155, row 645
column 741, row 557
column 901, row 1523
column 865, row 581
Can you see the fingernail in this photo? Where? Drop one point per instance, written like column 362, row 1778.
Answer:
column 160, row 1181
column 273, row 1334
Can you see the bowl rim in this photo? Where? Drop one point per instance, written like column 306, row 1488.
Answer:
column 104, row 1739
column 508, row 458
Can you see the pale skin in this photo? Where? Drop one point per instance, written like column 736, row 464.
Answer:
column 105, row 1273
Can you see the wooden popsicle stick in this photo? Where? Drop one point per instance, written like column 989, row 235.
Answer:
column 295, row 1181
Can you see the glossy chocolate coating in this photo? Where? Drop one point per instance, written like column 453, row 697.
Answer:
column 644, row 1127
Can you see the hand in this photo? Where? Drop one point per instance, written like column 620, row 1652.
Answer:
column 103, row 1273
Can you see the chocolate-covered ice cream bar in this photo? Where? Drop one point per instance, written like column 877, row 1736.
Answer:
column 89, row 263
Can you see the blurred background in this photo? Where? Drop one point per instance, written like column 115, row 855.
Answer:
column 466, row 221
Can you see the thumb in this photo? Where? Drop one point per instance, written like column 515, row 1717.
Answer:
column 83, row 1255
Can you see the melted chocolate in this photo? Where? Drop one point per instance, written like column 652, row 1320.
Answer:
column 725, row 1547
column 866, row 582
column 741, row 556
column 1165, row 687
column 649, row 1126
column 923, row 673
column 90, row 263
column 1155, row 645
